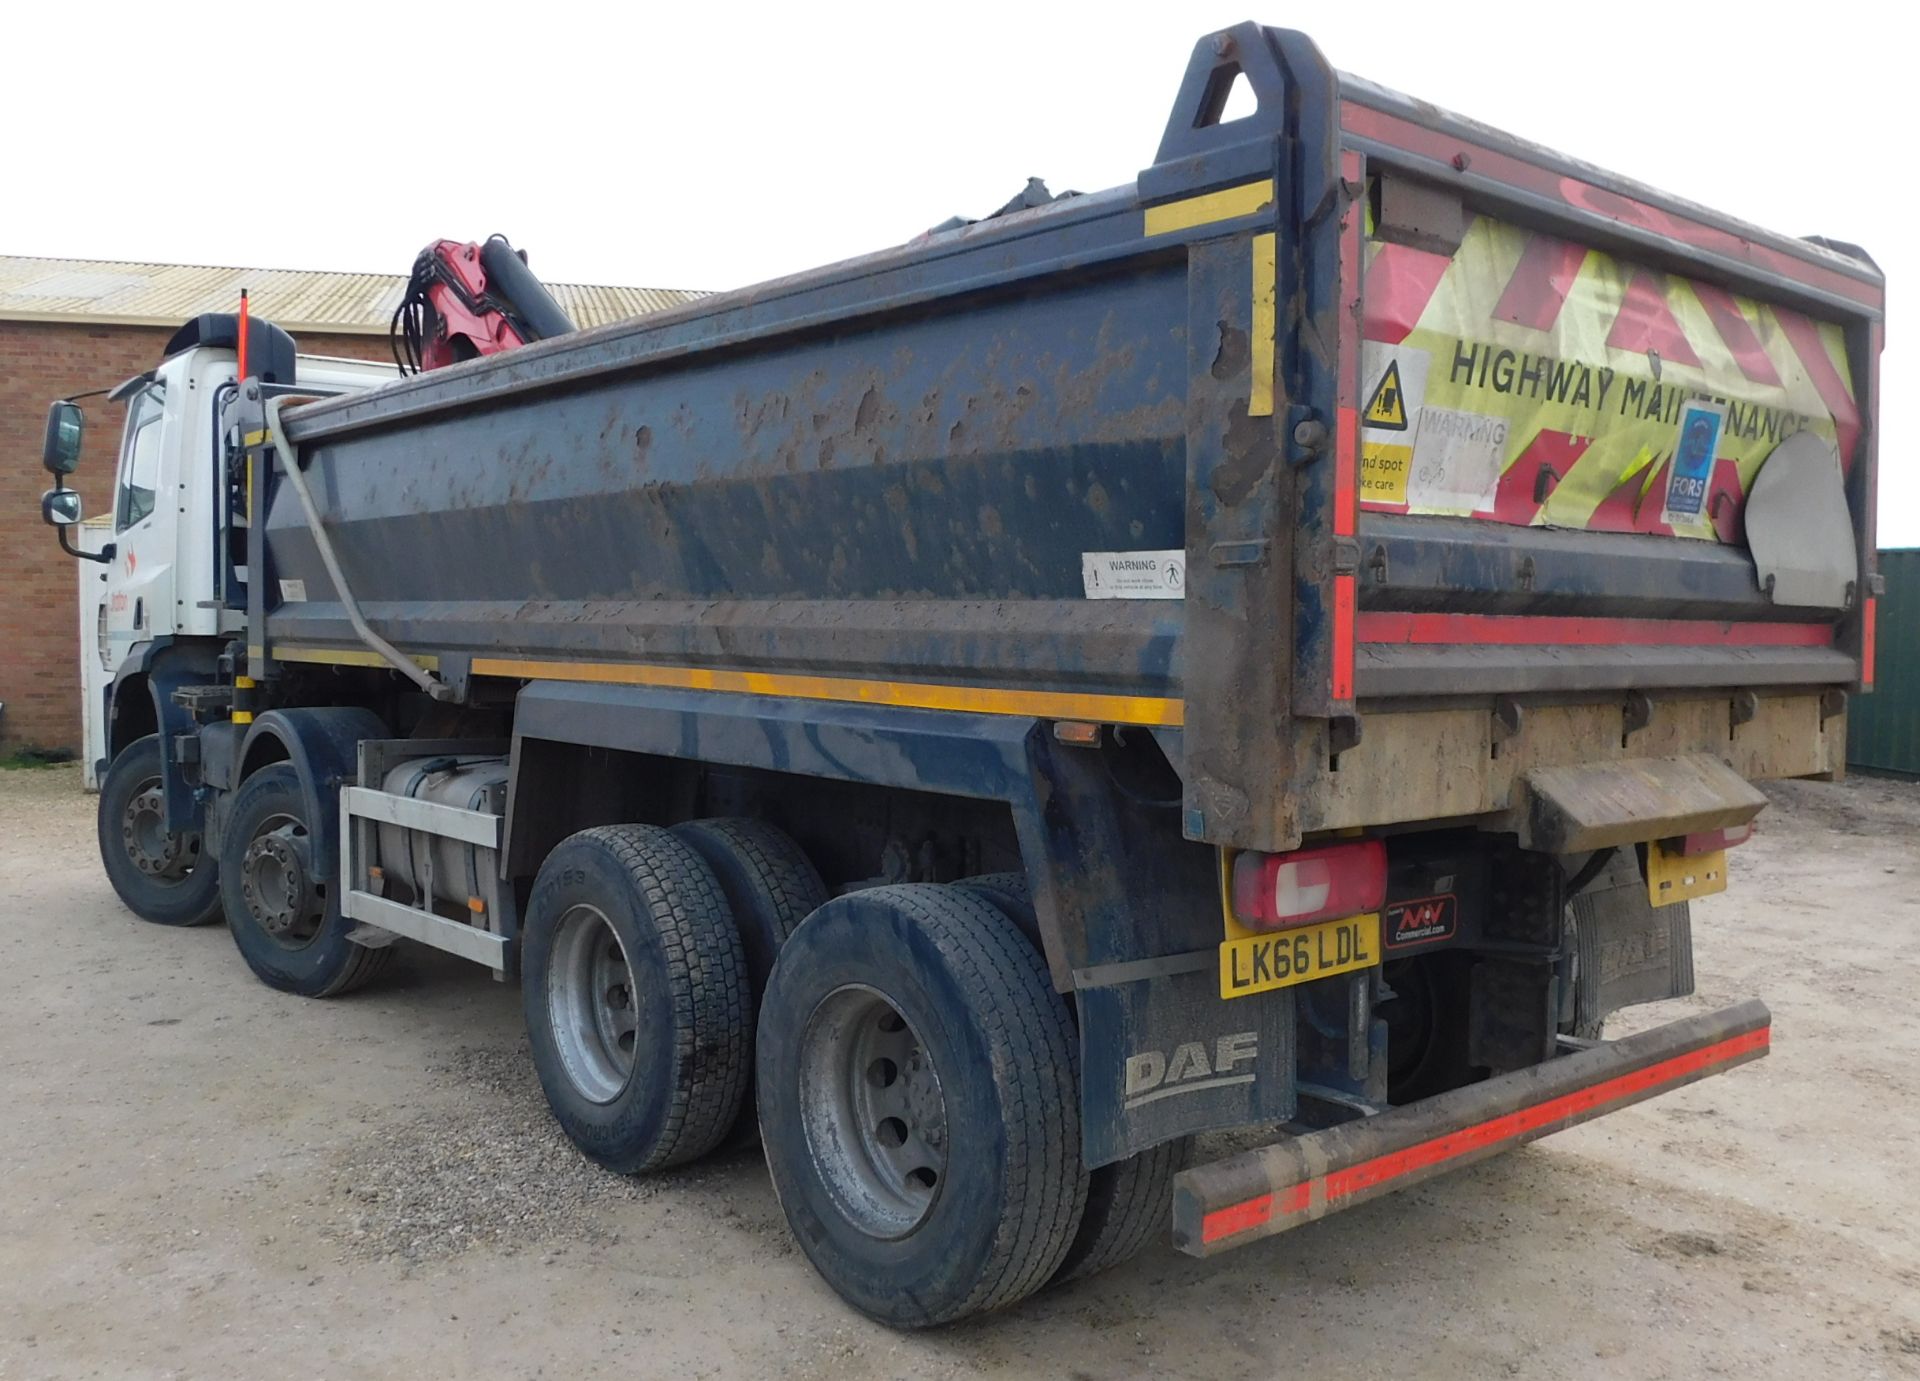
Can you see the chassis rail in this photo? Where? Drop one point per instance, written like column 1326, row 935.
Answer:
column 1259, row 1193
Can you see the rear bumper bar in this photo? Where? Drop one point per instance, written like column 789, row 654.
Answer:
column 1258, row 1193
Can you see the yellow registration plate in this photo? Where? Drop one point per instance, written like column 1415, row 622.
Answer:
column 1261, row 963
column 1673, row 877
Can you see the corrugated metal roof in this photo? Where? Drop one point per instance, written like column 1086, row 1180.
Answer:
column 100, row 291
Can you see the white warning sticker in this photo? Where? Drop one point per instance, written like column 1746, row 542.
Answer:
column 1393, row 385
column 1393, row 381
column 1457, row 460
column 1134, row 574
column 293, row 591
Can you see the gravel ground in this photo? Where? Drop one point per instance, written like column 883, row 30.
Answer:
column 206, row 1178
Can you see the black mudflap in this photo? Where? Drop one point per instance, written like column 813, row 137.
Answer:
column 1166, row 1056
column 1626, row 950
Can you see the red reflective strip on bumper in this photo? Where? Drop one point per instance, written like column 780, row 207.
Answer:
column 1529, row 629
column 1340, row 1184
column 1225, row 1222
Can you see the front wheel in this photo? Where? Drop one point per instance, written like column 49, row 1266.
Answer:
column 284, row 915
column 164, row 878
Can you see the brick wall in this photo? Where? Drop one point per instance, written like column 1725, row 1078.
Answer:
column 39, row 612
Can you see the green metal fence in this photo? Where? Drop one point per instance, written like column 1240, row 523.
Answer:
column 1883, row 728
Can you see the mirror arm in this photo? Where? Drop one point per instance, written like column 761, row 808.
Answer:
column 103, row 556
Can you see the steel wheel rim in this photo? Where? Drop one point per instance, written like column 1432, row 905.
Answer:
column 161, row 856
column 278, row 885
column 874, row 1111
column 592, row 1004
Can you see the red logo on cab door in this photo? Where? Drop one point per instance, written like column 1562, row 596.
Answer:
column 1417, row 922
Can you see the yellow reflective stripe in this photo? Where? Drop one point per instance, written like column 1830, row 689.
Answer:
column 1260, row 400
column 344, row 656
column 1225, row 205
column 1107, row 709
column 1104, row 709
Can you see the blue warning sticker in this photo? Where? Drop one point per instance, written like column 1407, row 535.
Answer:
column 1691, row 473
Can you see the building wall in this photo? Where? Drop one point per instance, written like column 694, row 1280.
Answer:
column 1883, row 727
column 39, row 609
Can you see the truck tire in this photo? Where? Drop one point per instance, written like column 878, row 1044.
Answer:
column 163, row 878
column 284, row 918
column 770, row 886
column 1009, row 892
column 920, row 1104
column 1427, row 1024
column 1128, row 1202
column 637, row 1000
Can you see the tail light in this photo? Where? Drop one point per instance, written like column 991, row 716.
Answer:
column 1275, row 890
column 1713, row 841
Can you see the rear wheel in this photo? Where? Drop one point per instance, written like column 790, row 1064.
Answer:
column 1427, row 1025
column 1128, row 1201
column 770, row 886
column 637, row 1000
column 1011, row 895
column 1128, row 1204
column 164, row 878
column 919, row 1104
column 283, row 913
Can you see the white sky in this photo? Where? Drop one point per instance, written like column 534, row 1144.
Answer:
column 710, row 146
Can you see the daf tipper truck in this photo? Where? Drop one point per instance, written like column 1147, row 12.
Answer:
column 1275, row 645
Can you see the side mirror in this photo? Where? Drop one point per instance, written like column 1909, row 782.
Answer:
column 60, row 507
column 60, row 452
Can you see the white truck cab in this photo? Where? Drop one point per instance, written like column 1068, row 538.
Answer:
column 159, row 562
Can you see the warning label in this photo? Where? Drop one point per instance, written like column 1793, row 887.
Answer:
column 1134, row 574
column 1395, row 380
column 1457, row 461
column 1387, row 409
column 1383, row 473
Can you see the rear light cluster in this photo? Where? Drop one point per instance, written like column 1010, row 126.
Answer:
column 1713, row 841
column 1271, row 891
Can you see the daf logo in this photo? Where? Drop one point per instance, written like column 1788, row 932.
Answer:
column 1154, row 1074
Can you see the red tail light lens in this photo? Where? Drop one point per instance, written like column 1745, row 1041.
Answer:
column 1275, row 890
column 1712, row 841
